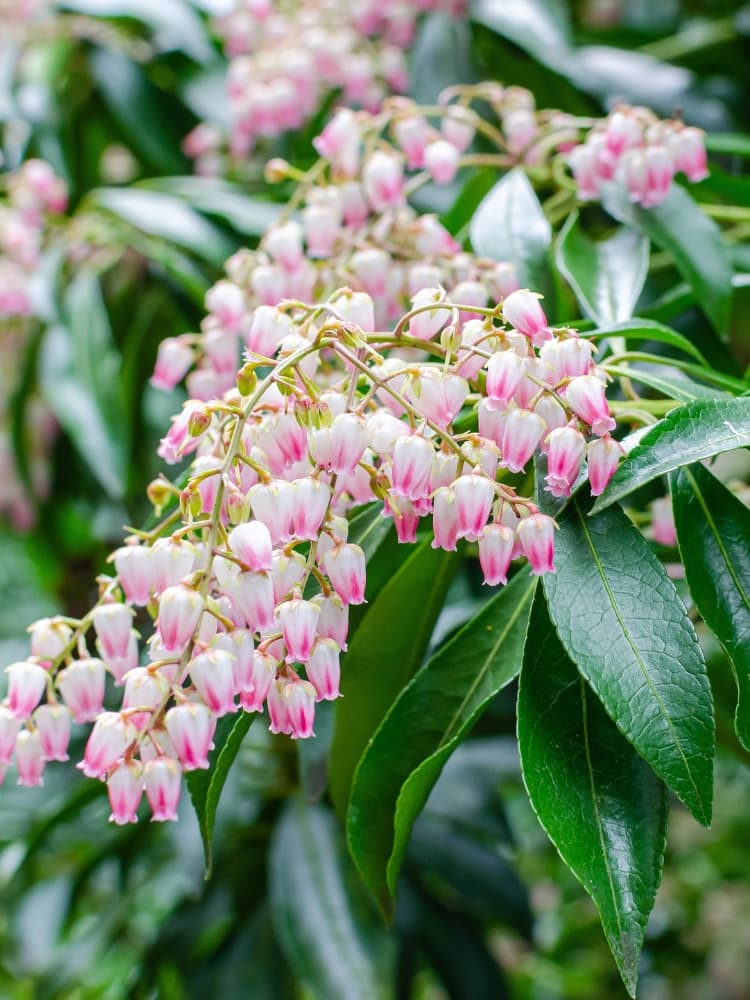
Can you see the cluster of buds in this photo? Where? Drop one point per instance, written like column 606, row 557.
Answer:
column 634, row 148
column 248, row 580
column 33, row 194
column 355, row 229
column 285, row 59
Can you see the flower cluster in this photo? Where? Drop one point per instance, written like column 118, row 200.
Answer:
column 641, row 152
column 249, row 578
column 285, row 59
column 33, row 193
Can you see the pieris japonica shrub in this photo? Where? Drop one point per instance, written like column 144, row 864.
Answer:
column 387, row 399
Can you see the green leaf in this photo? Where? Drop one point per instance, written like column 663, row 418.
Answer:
column 324, row 920
column 510, row 225
column 440, row 57
column 678, row 387
column 139, row 109
column 386, row 650
column 606, row 71
column 607, row 276
column 173, row 23
column 431, row 716
column 623, row 624
column 598, row 801
column 168, row 217
column 695, row 242
column 539, row 27
column 206, row 786
column 713, row 533
column 648, row 330
column 689, row 434
column 245, row 213
column 80, row 406
column 731, row 143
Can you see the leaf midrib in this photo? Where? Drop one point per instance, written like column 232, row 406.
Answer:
column 638, row 658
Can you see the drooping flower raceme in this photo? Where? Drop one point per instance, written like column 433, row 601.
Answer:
column 248, row 579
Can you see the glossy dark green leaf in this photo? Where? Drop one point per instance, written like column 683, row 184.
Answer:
column 441, row 56
column 245, row 213
column 678, row 226
column 67, row 376
column 713, row 533
column 539, row 27
column 677, row 387
column 433, row 713
column 206, row 786
column 326, row 924
column 647, row 330
column 607, row 71
column 509, row 225
column 139, row 109
column 607, row 276
column 386, row 650
column 166, row 216
column 623, row 624
column 599, row 802
column 688, row 434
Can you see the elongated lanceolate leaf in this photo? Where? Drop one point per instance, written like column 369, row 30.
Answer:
column 325, row 922
column 601, row 805
column 206, row 786
column 386, row 650
column 510, row 225
column 606, row 276
column 689, row 434
column 433, row 713
column 647, row 329
column 214, row 196
column 713, row 533
column 624, row 626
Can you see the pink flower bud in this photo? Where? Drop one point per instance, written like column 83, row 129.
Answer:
column 405, row 517
column 444, row 520
column 496, row 548
column 339, row 143
column 522, row 432
column 474, row 497
column 263, row 673
column 269, row 327
column 277, row 709
column 29, row 759
column 552, row 412
column 133, row 566
column 565, row 358
column 662, row 522
column 125, row 790
column 185, row 432
column 441, row 158
column 356, row 309
column 267, row 283
column 522, row 310
column 412, row 134
column 659, row 172
column 457, row 128
column 113, row 624
column 191, row 728
column 412, row 466
column 622, row 132
column 213, row 676
column 333, row 622
column 348, row 442
column 272, row 505
column 173, row 362
column 9, row 728
column 688, row 150
column 603, row 455
column 118, row 666
column 585, row 395
column 299, row 621
column 383, row 181
column 492, row 421
column 438, row 396
column 345, row 566
column 322, row 225
column 252, row 595
column 284, row 244
column 324, row 669
column 425, row 324
column 26, row 684
column 299, row 697
column 53, row 725
column 372, row 267
column 287, row 572
column 180, row 610
column 171, row 561
column 111, row 736
column 251, row 543
column 145, row 689
column 583, row 162
column 536, row 535
column 565, row 450
column 82, row 687
column 49, row 638
column 163, row 781
column 433, row 239
column 310, row 500
column 505, row 369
